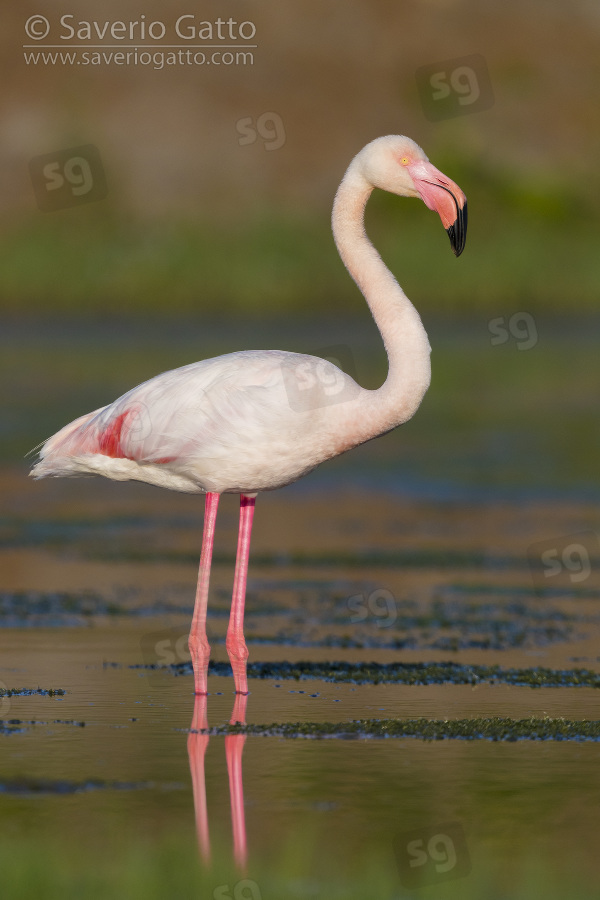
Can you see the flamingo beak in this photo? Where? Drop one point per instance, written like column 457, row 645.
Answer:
column 446, row 198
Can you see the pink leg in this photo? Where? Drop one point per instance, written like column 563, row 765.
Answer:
column 234, row 747
column 236, row 645
column 198, row 642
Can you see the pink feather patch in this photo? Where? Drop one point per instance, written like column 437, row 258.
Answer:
column 110, row 439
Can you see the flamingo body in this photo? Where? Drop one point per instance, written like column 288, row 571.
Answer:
column 257, row 420
column 237, row 423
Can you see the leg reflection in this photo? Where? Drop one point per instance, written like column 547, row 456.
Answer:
column 197, row 744
column 234, row 748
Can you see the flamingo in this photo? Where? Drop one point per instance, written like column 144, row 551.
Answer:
column 257, row 420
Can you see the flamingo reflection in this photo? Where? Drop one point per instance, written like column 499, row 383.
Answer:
column 234, row 747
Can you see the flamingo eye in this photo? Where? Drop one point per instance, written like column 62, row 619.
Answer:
column 405, row 161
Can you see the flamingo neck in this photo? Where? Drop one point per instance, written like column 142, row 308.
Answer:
column 399, row 324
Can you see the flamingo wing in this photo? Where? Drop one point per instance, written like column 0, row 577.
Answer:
column 211, row 425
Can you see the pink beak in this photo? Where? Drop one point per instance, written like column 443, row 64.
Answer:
column 439, row 193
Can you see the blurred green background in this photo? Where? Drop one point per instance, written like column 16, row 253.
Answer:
column 213, row 209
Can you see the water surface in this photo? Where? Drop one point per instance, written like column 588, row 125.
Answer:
column 431, row 545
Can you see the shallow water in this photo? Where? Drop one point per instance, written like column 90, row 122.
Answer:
column 414, row 549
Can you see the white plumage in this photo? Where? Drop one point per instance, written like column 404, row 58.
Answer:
column 240, row 423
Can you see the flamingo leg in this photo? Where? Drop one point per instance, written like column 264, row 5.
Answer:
column 235, row 643
column 198, row 641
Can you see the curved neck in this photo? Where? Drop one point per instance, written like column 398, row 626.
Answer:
column 399, row 323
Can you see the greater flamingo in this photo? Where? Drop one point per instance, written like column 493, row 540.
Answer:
column 242, row 423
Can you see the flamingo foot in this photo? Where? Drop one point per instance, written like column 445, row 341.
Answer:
column 238, row 657
column 200, row 653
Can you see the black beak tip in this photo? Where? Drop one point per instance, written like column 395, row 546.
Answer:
column 457, row 232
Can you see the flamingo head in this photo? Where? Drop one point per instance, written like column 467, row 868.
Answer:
column 398, row 165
